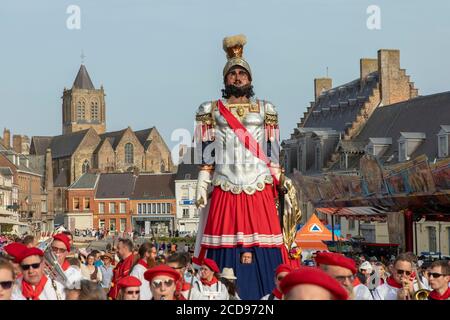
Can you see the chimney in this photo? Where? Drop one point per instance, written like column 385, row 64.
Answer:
column 7, row 138
column 320, row 85
column 366, row 67
column 390, row 75
column 17, row 143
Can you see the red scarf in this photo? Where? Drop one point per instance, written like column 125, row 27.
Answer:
column 65, row 265
column 209, row 283
column 29, row 293
column 277, row 293
column 390, row 281
column 434, row 295
column 182, row 285
column 356, row 282
column 143, row 263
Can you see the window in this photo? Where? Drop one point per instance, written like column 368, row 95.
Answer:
column 318, row 157
column 153, row 208
column 94, row 110
column 122, row 207
column 159, row 208
column 187, row 176
column 87, row 203
column 443, row 147
column 168, row 207
column 432, row 239
column 351, row 224
column 112, row 207
column 101, row 207
column 139, row 208
column 85, row 167
column 43, row 206
column 123, row 224
column 101, row 224
column 81, row 110
column 129, row 155
column 112, row 224
column 185, row 213
column 144, row 208
column 163, row 205
column 402, row 151
column 76, row 203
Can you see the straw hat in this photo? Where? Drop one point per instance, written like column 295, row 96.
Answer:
column 228, row 273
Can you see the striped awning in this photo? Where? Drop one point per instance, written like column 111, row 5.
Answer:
column 362, row 213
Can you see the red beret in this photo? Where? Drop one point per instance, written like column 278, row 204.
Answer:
column 28, row 252
column 129, row 281
column 283, row 268
column 15, row 249
column 211, row 264
column 161, row 270
column 336, row 259
column 309, row 275
column 63, row 238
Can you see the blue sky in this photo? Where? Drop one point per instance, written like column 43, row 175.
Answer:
column 158, row 60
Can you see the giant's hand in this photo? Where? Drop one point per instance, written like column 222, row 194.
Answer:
column 201, row 195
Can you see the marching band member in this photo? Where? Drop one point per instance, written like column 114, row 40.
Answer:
column 147, row 253
column 439, row 281
column 281, row 271
column 399, row 285
column 61, row 248
column 123, row 268
column 34, row 284
column 309, row 283
column 209, row 287
column 163, row 281
column 343, row 269
column 178, row 261
column 129, row 288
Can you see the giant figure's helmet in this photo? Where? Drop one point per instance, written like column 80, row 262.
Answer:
column 234, row 47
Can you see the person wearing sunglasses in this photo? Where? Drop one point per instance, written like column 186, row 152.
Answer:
column 280, row 272
column 129, row 288
column 163, row 281
column 34, row 284
column 179, row 261
column 7, row 278
column 439, row 280
column 343, row 269
column 61, row 246
column 399, row 285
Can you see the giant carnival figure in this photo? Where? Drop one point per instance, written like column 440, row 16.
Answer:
column 245, row 201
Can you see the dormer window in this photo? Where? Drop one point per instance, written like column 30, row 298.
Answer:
column 408, row 144
column 443, row 141
column 377, row 146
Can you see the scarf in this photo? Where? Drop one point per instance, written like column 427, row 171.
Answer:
column 356, row 282
column 434, row 295
column 29, row 293
column 209, row 283
column 143, row 263
column 65, row 265
column 390, row 281
column 277, row 293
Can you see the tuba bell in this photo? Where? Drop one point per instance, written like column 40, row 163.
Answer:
column 52, row 267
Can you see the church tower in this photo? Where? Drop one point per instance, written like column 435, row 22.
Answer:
column 83, row 106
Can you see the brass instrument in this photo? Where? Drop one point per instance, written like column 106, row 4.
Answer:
column 421, row 294
column 52, row 267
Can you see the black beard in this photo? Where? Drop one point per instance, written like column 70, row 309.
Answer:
column 233, row 91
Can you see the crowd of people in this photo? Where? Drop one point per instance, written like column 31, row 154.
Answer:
column 55, row 270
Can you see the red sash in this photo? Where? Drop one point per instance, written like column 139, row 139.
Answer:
column 143, row 263
column 65, row 265
column 434, row 295
column 246, row 138
column 276, row 293
column 390, row 281
column 209, row 283
column 122, row 269
column 33, row 293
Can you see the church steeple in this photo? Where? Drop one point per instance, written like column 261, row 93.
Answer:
column 83, row 81
column 83, row 105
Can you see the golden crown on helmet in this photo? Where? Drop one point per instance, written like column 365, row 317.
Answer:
column 234, row 47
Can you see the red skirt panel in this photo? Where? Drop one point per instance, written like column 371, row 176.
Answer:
column 242, row 220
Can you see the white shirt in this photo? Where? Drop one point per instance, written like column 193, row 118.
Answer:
column 385, row 292
column 74, row 277
column 361, row 292
column 266, row 297
column 48, row 293
column 217, row 291
column 138, row 272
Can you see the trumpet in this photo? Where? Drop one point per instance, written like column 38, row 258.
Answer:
column 421, row 294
